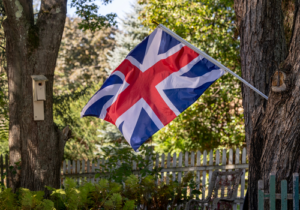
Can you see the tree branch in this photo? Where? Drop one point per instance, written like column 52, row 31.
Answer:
column 54, row 10
column 50, row 5
column 19, row 11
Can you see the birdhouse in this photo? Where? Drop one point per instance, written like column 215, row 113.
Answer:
column 39, row 87
column 39, row 95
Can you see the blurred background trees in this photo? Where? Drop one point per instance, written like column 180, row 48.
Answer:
column 87, row 57
column 133, row 32
column 3, row 89
column 3, row 113
column 82, row 56
column 216, row 119
column 79, row 73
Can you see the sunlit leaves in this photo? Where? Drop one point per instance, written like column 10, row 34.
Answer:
column 79, row 74
column 216, row 119
column 82, row 56
column 3, row 114
column 88, row 12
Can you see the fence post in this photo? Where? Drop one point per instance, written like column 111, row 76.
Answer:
column 1, row 168
column 174, row 165
column 179, row 165
column 69, row 166
column 224, row 161
column 261, row 195
column 272, row 190
column 93, row 171
column 168, row 166
column 88, row 170
column 78, row 172
column 156, row 166
column 295, row 191
column 64, row 172
column 73, row 166
column 204, row 175
column 198, row 163
column 237, row 161
column 244, row 159
column 162, row 165
column 6, row 171
column 283, row 195
column 186, row 164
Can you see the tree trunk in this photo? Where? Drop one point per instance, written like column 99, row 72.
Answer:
column 32, row 49
column 270, row 41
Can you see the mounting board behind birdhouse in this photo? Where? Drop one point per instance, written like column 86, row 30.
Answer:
column 38, row 110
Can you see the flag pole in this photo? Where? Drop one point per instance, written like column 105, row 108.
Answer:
column 165, row 29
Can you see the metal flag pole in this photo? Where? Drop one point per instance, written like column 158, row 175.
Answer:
column 165, row 29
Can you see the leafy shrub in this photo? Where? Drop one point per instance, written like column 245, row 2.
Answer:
column 24, row 199
column 120, row 188
column 118, row 171
column 7, row 199
column 3, row 114
column 148, row 195
column 103, row 195
column 140, row 185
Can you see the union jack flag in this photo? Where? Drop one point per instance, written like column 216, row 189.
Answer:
column 159, row 79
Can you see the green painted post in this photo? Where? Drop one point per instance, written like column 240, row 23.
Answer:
column 272, row 191
column 283, row 195
column 295, row 191
column 261, row 195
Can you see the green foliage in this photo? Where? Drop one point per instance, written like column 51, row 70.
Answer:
column 3, row 88
column 81, row 60
column 119, row 171
column 83, row 143
column 133, row 33
column 101, row 195
column 132, row 191
column 7, row 199
column 129, row 205
column 88, row 12
column 24, row 199
column 140, row 185
column 97, row 43
column 72, row 196
column 2, row 9
column 216, row 119
column 2, row 36
column 162, row 196
column 34, row 200
column 3, row 115
column 114, row 202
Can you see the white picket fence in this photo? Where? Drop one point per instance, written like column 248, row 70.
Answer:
column 4, row 169
column 201, row 164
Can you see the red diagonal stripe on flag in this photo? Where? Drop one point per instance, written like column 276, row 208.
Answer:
column 142, row 85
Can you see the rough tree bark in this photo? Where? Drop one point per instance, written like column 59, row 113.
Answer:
column 270, row 41
column 32, row 49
